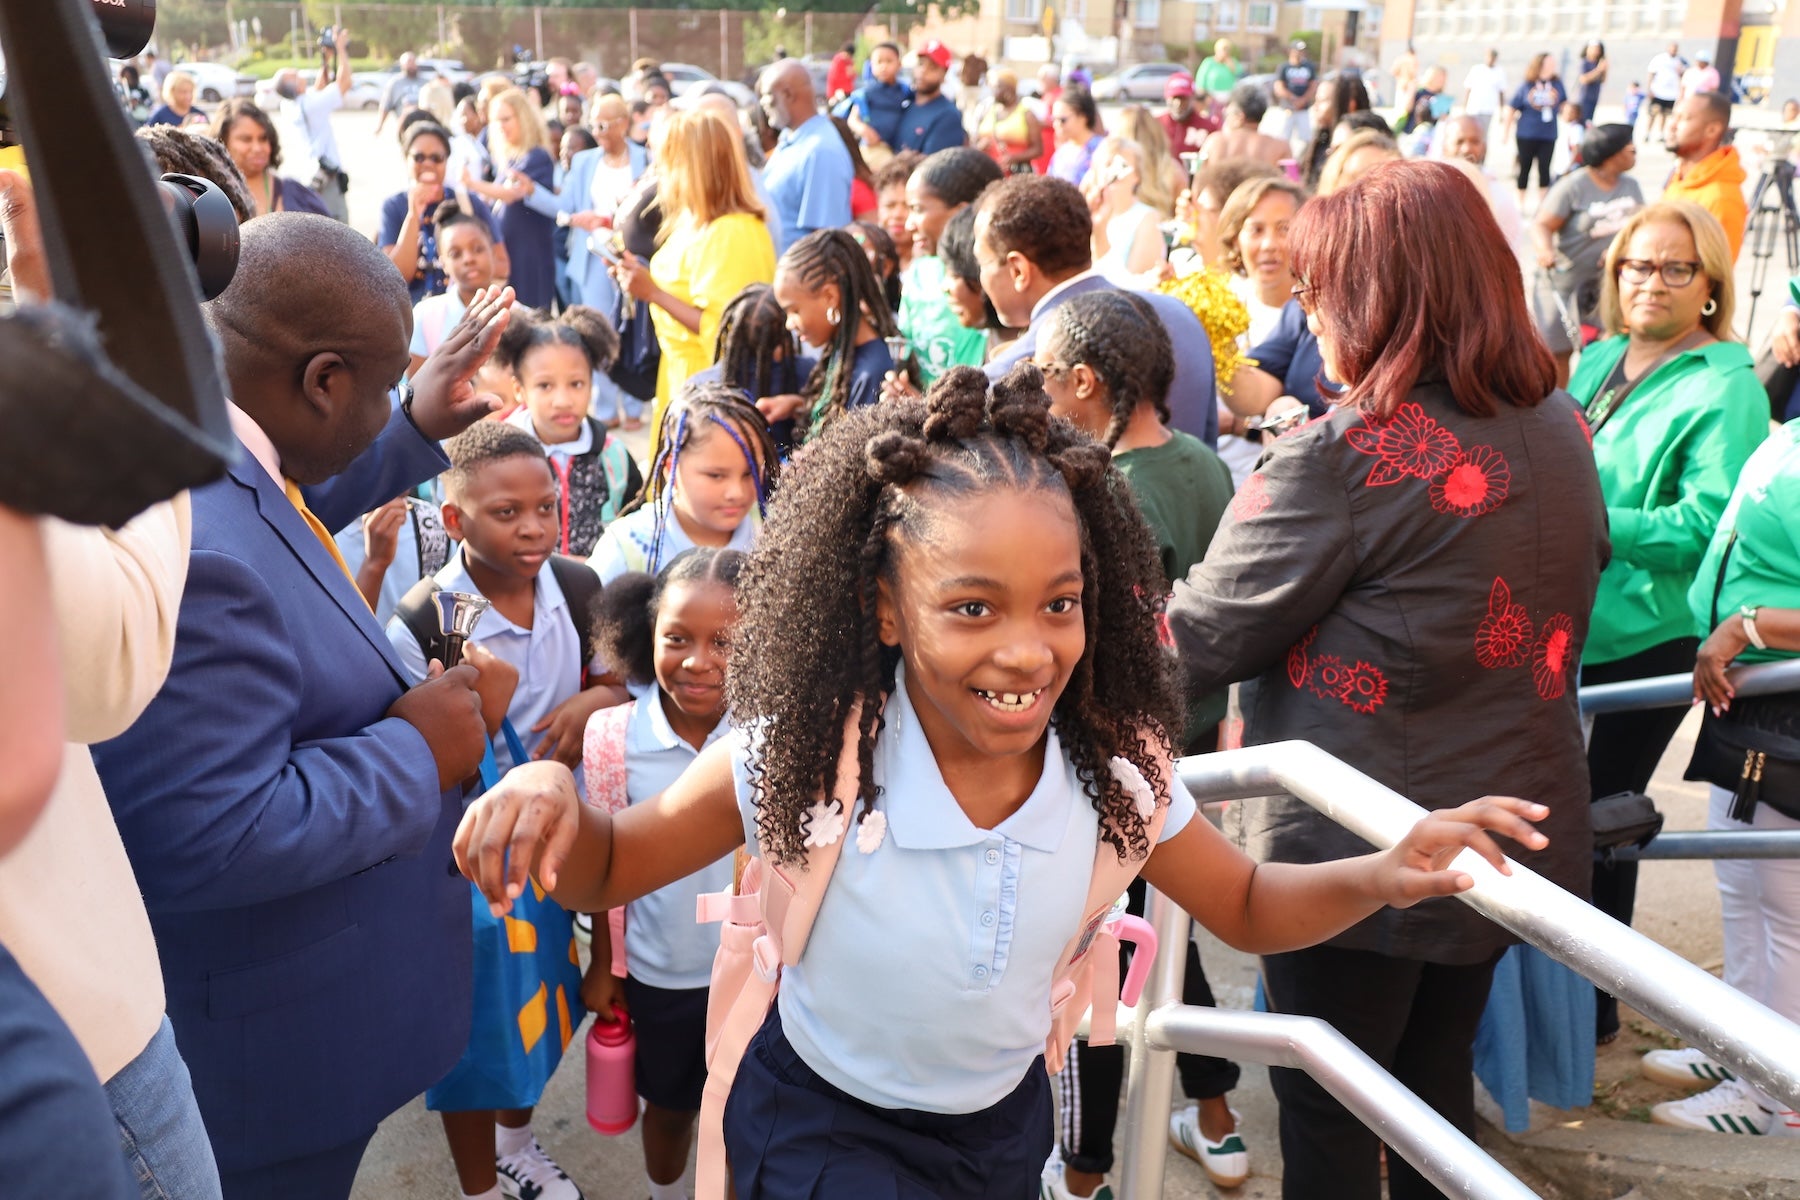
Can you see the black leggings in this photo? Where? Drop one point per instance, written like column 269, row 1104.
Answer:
column 1622, row 755
column 1530, row 151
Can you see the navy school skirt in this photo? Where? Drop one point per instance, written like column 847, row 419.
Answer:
column 792, row 1136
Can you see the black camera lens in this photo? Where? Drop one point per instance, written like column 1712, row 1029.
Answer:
column 126, row 25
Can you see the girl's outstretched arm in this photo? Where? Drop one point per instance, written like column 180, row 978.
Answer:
column 533, row 823
column 1269, row 908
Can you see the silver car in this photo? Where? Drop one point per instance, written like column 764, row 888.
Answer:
column 1144, row 81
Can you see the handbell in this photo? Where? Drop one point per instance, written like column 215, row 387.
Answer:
column 458, row 613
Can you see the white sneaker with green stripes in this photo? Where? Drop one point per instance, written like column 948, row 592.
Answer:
column 1732, row 1107
column 1685, row 1068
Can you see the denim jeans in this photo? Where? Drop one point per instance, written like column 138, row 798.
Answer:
column 160, row 1131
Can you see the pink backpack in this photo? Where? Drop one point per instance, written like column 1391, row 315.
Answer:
column 603, row 776
column 766, row 924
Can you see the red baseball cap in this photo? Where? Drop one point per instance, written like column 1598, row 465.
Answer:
column 937, row 52
column 1180, row 84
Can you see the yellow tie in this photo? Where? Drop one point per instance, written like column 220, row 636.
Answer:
column 323, row 534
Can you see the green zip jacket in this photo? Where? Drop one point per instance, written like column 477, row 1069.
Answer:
column 1669, row 458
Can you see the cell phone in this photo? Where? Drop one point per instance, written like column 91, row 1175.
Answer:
column 606, row 251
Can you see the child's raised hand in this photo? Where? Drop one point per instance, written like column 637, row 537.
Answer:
column 524, row 826
column 565, row 726
column 1417, row 868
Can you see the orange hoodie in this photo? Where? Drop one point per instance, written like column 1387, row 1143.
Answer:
column 1715, row 183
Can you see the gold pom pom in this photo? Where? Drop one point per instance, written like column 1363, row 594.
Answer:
column 1208, row 292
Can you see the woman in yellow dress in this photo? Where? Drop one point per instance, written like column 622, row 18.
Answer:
column 713, row 245
column 1009, row 131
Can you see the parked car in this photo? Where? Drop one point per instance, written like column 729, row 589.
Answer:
column 1142, row 81
column 685, row 77
column 215, row 82
column 364, row 94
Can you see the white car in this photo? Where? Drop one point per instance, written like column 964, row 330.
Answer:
column 215, row 82
column 1145, row 81
column 364, row 94
column 685, row 77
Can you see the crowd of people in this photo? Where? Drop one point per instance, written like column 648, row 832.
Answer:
column 997, row 458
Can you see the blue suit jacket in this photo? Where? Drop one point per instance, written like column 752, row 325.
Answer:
column 587, row 271
column 1193, row 406
column 291, row 842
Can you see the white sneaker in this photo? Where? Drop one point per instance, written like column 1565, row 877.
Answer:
column 1052, row 1185
column 1226, row 1162
column 1685, row 1068
column 532, row 1175
column 1732, row 1107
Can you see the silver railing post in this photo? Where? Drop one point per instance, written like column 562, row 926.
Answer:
column 1722, row 1022
column 1151, row 1072
column 1677, row 691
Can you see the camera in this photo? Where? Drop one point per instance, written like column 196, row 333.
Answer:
column 328, row 38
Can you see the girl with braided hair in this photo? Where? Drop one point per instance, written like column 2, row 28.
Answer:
column 759, row 355
column 956, row 600
column 833, row 301
column 709, row 484
column 1107, row 363
column 943, row 185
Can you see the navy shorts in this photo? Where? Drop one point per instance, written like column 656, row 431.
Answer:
column 792, row 1136
column 671, row 1043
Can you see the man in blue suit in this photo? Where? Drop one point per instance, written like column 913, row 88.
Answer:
column 287, row 801
column 1034, row 245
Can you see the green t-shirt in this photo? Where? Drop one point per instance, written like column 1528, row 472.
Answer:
column 939, row 339
column 1760, row 527
column 1216, row 76
column 1182, row 489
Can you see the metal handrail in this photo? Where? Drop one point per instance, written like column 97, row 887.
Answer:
column 1413, row 1129
column 1756, row 1043
column 1677, row 691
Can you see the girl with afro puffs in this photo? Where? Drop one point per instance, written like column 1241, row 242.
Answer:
column 958, row 596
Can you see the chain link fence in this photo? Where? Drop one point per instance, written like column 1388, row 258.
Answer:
column 729, row 43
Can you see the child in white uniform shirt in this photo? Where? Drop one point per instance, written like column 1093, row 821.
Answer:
column 979, row 579
column 715, row 468
column 670, row 632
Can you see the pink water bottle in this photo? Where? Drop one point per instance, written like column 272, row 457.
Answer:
column 612, row 1103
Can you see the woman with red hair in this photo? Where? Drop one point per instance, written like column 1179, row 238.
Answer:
column 1406, row 582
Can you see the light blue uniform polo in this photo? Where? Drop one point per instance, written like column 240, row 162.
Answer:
column 926, row 980
column 664, row 946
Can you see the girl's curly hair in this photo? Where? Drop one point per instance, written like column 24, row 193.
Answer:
column 808, row 648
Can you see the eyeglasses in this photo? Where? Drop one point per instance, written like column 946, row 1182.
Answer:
column 1300, row 292
column 1675, row 273
column 422, row 159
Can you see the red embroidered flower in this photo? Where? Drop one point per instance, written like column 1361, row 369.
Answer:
column 1504, row 637
column 1252, row 499
column 1298, row 668
column 1327, row 676
column 1587, row 431
column 1550, row 657
column 1364, row 688
column 1164, row 635
column 1407, row 444
column 1476, row 483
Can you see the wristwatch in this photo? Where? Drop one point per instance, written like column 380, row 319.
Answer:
column 405, row 392
column 1748, row 613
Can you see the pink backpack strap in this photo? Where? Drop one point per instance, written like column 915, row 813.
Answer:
column 604, row 776
column 747, row 969
column 1087, row 974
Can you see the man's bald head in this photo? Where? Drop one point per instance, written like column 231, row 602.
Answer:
column 314, row 331
column 786, row 92
column 1465, row 140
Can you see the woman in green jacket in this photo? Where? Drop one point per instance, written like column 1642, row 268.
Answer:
column 1675, row 411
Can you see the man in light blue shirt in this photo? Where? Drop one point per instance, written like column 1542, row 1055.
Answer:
column 809, row 174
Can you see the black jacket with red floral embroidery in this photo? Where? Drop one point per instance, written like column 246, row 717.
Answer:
column 1411, row 595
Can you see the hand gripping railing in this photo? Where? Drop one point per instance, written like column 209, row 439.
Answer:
column 1727, row 1025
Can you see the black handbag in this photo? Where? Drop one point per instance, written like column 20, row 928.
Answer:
column 1623, row 819
column 1753, row 751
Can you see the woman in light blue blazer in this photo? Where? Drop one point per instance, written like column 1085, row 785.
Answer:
column 616, row 164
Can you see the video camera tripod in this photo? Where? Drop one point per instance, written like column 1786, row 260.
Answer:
column 1772, row 213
